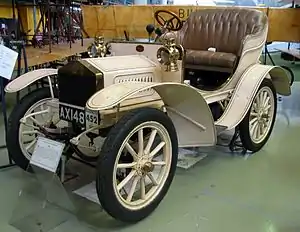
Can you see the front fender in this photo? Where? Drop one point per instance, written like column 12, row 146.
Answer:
column 246, row 89
column 185, row 106
column 28, row 78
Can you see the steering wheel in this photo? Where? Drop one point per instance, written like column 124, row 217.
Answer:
column 173, row 23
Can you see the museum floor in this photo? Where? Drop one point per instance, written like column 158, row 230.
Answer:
column 221, row 193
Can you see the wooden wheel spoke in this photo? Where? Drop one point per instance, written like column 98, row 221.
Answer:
column 258, row 130
column 132, row 189
column 31, row 144
column 154, row 182
column 31, row 126
column 253, row 120
column 131, row 150
column 126, row 180
column 141, row 142
column 254, row 128
column 126, row 165
column 266, row 108
column 266, row 102
column 265, row 122
column 159, row 163
column 143, row 188
column 150, row 142
column 30, row 132
column 157, row 149
column 35, row 121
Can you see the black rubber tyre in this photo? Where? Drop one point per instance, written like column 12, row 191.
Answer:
column 106, row 162
column 12, row 137
column 244, row 125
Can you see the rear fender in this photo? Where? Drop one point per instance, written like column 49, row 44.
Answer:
column 185, row 106
column 246, row 89
column 29, row 78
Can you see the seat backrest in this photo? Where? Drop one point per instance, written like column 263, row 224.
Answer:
column 223, row 29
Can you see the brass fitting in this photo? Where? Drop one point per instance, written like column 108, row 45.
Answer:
column 98, row 48
column 168, row 55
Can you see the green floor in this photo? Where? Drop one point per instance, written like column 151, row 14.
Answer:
column 222, row 193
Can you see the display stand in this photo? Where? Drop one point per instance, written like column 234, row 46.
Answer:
column 7, row 63
column 43, row 202
column 4, row 113
column 19, row 46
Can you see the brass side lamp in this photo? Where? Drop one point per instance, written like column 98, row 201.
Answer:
column 98, row 48
column 169, row 54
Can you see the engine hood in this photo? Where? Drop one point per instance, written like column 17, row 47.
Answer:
column 121, row 63
column 79, row 80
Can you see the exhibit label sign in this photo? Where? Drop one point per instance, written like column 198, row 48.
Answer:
column 47, row 154
column 8, row 60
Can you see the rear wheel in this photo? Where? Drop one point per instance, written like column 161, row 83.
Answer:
column 137, row 164
column 256, row 127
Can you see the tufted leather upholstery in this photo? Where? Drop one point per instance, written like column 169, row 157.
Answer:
column 223, row 29
column 220, row 59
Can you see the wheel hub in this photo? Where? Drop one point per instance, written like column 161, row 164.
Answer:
column 144, row 166
column 261, row 116
column 148, row 167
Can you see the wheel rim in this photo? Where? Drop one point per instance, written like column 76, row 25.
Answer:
column 261, row 115
column 29, row 132
column 143, row 183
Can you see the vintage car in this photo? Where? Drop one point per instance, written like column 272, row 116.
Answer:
column 146, row 100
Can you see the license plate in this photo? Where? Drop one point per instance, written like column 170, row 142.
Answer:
column 79, row 115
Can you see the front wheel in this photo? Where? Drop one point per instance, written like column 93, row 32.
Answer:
column 137, row 164
column 21, row 137
column 256, row 127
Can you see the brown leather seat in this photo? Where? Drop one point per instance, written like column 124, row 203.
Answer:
column 219, row 59
column 222, row 29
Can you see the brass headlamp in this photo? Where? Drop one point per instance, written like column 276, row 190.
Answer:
column 98, row 48
column 169, row 54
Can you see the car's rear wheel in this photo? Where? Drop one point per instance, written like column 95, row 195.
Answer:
column 256, row 127
column 137, row 164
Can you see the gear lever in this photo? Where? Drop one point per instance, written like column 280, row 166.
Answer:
column 158, row 33
column 150, row 28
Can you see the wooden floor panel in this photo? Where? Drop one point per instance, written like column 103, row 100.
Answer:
column 39, row 56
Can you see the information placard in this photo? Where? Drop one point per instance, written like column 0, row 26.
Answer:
column 47, row 154
column 8, row 60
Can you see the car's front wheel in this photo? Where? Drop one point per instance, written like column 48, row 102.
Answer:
column 22, row 136
column 23, row 133
column 137, row 164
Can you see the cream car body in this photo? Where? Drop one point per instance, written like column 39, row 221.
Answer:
column 140, row 93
